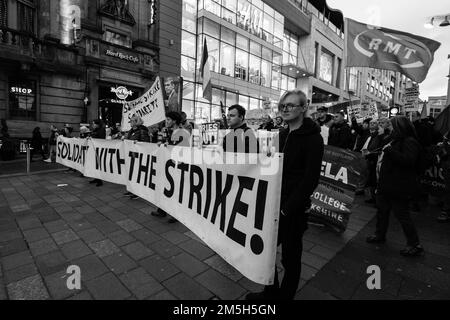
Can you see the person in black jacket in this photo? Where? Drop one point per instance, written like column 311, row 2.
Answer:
column 340, row 133
column 138, row 131
column 98, row 132
column 362, row 131
column 36, row 143
column 397, row 181
column 303, row 149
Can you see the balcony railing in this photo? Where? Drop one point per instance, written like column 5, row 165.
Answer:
column 21, row 41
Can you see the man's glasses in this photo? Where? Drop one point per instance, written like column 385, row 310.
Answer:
column 289, row 106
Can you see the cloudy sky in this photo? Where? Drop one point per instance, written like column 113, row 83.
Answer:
column 409, row 16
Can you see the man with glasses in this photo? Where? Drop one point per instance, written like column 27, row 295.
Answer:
column 303, row 149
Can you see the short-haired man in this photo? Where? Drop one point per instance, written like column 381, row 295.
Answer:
column 241, row 139
column 172, row 96
column 322, row 115
column 340, row 133
column 303, row 147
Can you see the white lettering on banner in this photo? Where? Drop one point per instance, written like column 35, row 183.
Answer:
column 330, row 201
column 72, row 152
column 150, row 107
column 327, row 213
column 341, row 175
column 232, row 208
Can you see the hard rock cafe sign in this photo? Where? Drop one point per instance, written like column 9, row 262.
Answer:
column 122, row 93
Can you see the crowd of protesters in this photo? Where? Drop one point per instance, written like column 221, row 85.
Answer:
column 398, row 151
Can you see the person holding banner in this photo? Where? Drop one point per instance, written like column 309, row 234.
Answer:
column 303, row 150
column 241, row 139
column 98, row 132
column 171, row 135
column 397, row 181
column 138, row 132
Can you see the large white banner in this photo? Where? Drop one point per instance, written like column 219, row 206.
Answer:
column 150, row 107
column 232, row 207
column 72, row 152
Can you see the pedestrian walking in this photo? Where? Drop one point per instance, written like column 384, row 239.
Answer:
column 303, row 149
column 397, row 181
column 36, row 144
column 52, row 143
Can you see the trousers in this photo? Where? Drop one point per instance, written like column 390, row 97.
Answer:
column 399, row 206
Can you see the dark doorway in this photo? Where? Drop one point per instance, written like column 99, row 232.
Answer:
column 111, row 98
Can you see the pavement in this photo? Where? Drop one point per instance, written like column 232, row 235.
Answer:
column 19, row 166
column 54, row 220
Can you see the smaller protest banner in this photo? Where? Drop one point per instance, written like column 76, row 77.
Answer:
column 342, row 172
column 210, row 133
column 362, row 112
column 150, row 107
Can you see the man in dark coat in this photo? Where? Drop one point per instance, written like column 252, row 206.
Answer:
column 340, row 133
column 362, row 131
column 303, row 149
column 241, row 139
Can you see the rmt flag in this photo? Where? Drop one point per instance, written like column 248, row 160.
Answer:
column 382, row 48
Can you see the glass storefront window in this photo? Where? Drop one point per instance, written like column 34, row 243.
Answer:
column 267, row 54
column 22, row 99
column 266, row 68
column 188, row 44
column 188, row 90
column 213, row 53
column 188, row 23
column 229, row 16
column 244, row 101
column 188, row 108
column 269, row 10
column 227, row 35
column 276, row 77
column 242, row 42
column 229, row 4
column 232, row 98
column 187, row 68
column 212, row 6
column 326, row 67
column 218, row 96
column 292, row 83
column 241, row 68
column 276, row 58
column 268, row 23
column 211, row 28
column 255, row 69
column 254, row 104
column 278, row 30
column 255, row 48
column 226, row 59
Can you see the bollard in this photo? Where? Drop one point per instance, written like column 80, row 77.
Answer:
column 28, row 158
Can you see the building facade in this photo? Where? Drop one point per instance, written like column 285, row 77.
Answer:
column 72, row 61
column 436, row 105
column 258, row 50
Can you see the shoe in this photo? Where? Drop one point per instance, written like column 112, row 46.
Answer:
column 99, row 183
column 412, row 251
column 48, row 160
column 172, row 220
column 158, row 214
column 134, row 197
column 370, row 201
column 375, row 239
column 93, row 181
column 444, row 216
column 359, row 193
column 128, row 193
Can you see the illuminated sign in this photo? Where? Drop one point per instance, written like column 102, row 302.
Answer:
column 19, row 90
column 122, row 92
